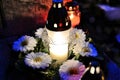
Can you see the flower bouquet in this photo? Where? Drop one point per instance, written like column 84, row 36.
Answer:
column 34, row 57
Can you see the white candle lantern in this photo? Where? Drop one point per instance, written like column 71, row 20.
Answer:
column 58, row 45
column 58, row 27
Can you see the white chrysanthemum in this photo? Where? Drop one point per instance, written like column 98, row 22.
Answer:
column 45, row 38
column 88, row 50
column 77, row 35
column 85, row 50
column 38, row 60
column 42, row 33
column 78, row 47
column 39, row 32
column 25, row 43
column 71, row 69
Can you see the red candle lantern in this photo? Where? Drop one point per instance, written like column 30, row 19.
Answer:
column 73, row 12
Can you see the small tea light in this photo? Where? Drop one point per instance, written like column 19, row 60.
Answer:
column 73, row 12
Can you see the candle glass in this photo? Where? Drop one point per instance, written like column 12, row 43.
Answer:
column 73, row 12
column 58, row 45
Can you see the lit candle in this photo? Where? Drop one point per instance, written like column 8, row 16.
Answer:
column 73, row 12
column 58, row 26
column 58, row 45
column 75, row 18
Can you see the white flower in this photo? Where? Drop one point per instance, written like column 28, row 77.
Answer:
column 25, row 43
column 77, row 35
column 71, row 69
column 88, row 50
column 42, row 33
column 78, row 47
column 85, row 50
column 38, row 60
column 77, row 40
column 39, row 32
column 45, row 38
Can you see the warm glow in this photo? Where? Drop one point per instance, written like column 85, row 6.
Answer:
column 59, row 52
column 58, row 37
column 97, row 70
column 71, row 15
column 58, row 45
column 75, row 18
column 59, row 5
column 92, row 70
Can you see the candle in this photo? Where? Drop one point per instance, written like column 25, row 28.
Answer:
column 58, row 45
column 58, row 26
column 75, row 18
column 73, row 12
